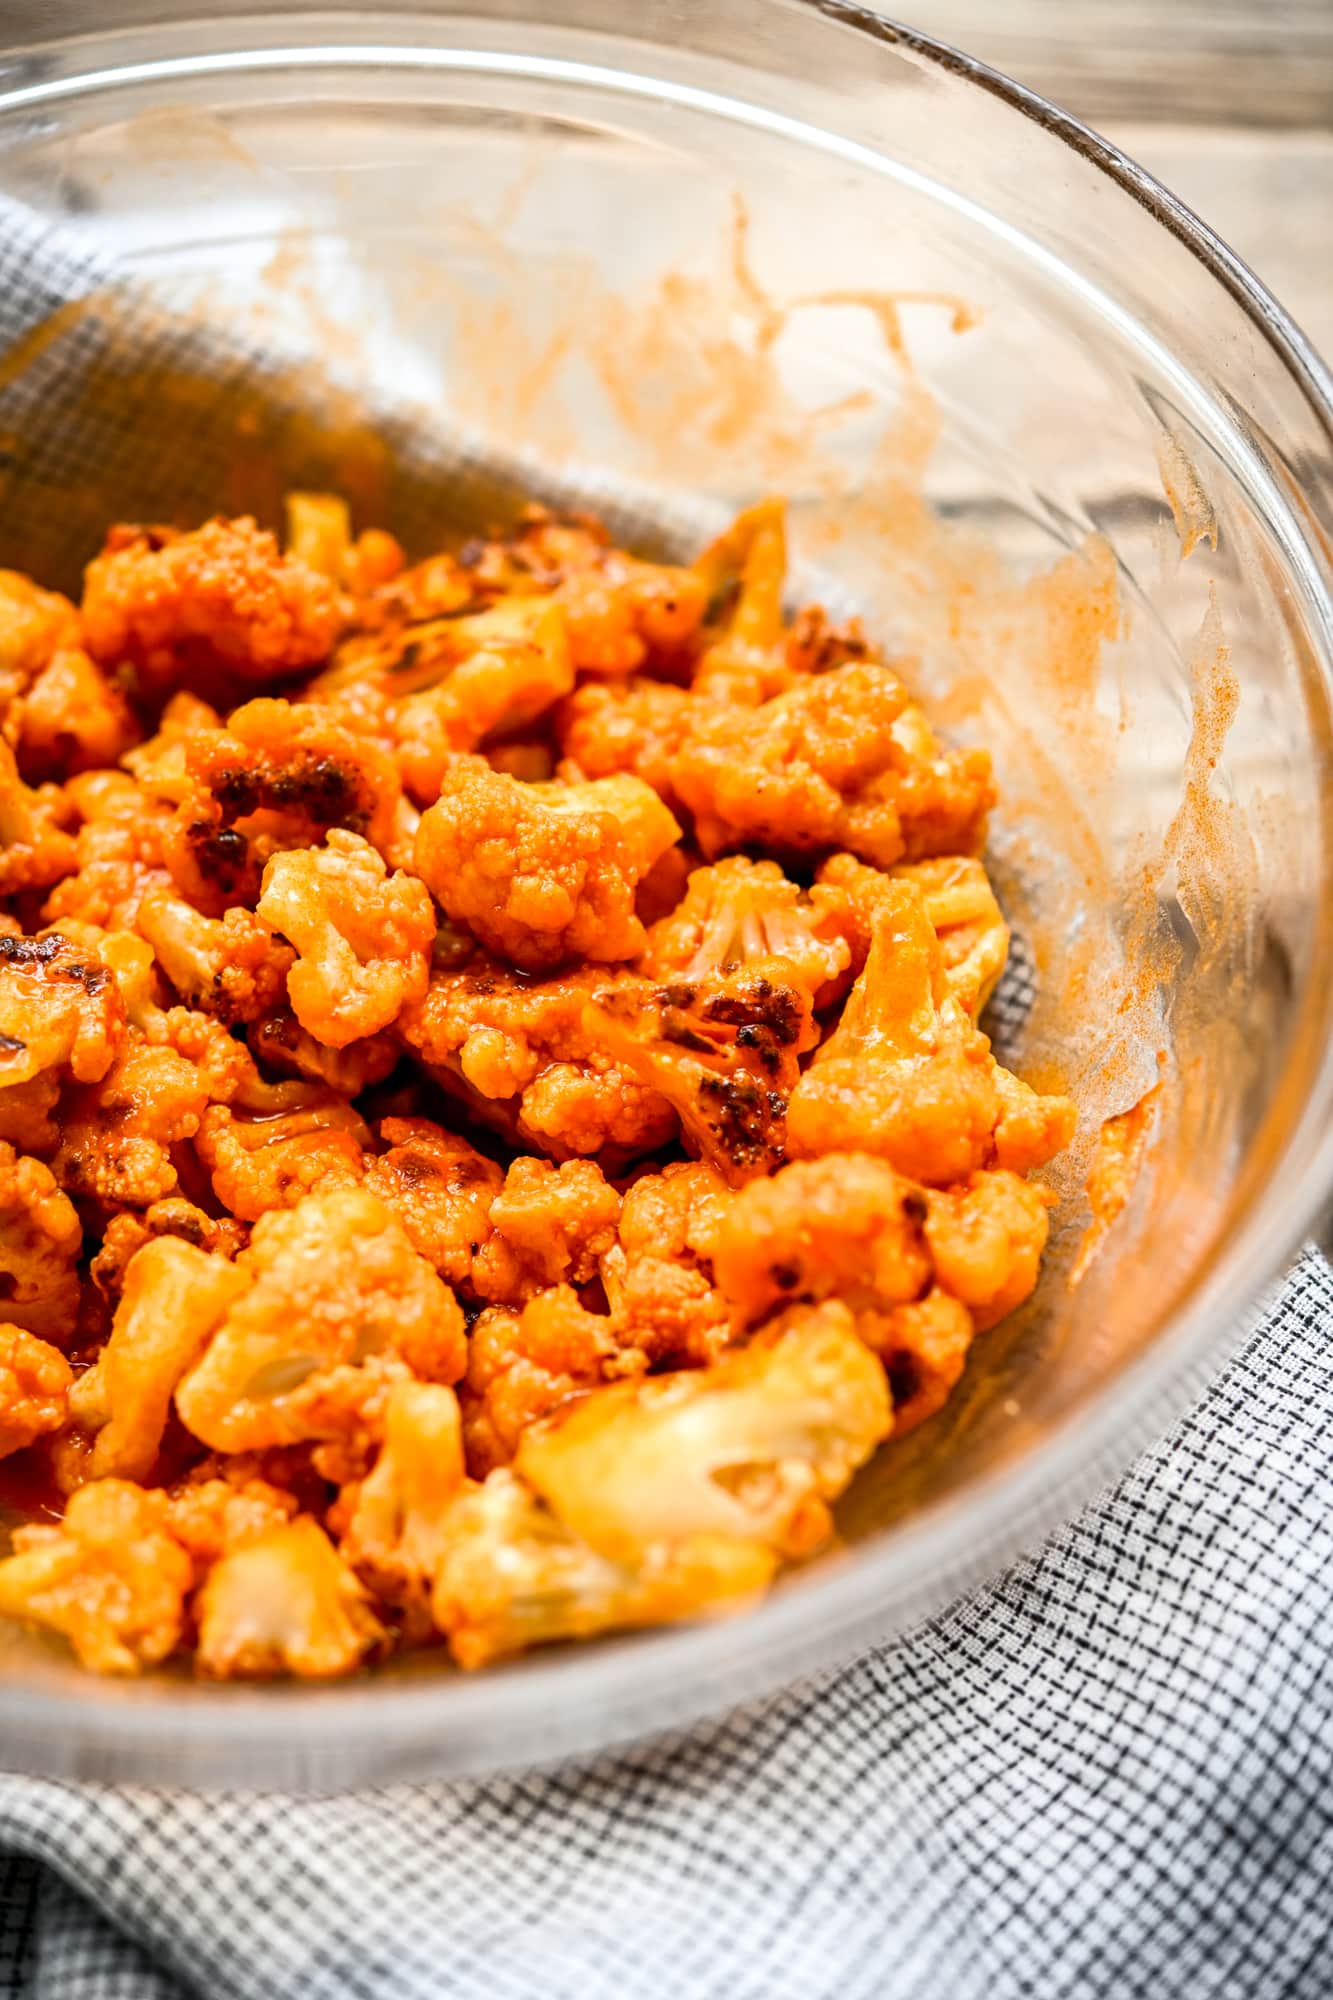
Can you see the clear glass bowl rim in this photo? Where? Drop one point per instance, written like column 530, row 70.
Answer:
column 620, row 1690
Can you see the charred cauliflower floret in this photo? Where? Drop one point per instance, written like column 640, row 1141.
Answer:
column 60, row 1009
column 362, row 937
column 738, row 911
column 394, row 1535
column 523, row 1058
column 841, row 760
column 221, row 593
column 335, row 1283
column 744, row 658
column 845, row 1226
column 511, row 1575
column 174, row 1299
column 279, row 1042
column 967, row 921
column 549, row 1226
column 126, row 1234
column 40, row 1240
column 37, row 846
column 231, row 966
column 110, row 1577
column 723, row 1051
column 281, row 774
column 441, row 1189
column 286, row 1603
column 542, row 873
column 753, row 1448
column 117, row 1136
column 524, row 1364
column 906, row 1075
column 658, row 1275
column 34, row 1388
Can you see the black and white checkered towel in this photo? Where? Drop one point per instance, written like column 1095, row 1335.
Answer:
column 1108, row 1776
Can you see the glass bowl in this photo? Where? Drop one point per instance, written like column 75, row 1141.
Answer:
column 1035, row 423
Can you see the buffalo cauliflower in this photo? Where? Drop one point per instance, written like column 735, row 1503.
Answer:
column 284, row 1603
column 905, row 1074
column 109, row 1576
column 362, row 938
column 548, row 1225
column 222, row 592
column 753, row 1447
column 542, row 873
column 332, row 1284
column 175, row 1297
column 40, row 1240
column 34, row 1387
column 442, row 1191
column 825, row 766
column 658, row 1274
column 511, row 1575
column 231, row 966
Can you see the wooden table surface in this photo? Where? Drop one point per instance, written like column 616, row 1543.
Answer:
column 1229, row 102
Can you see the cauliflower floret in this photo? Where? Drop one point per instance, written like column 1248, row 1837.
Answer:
column 738, row 911
column 284, row 1604
column 40, row 1239
column 35, row 625
column 116, row 1136
column 973, row 936
column 522, row 1365
column 519, row 1054
column 924, row 1347
column 158, row 764
column 222, row 592
column 845, row 1226
column 753, row 1447
column 441, row 1189
column 335, row 1283
column 265, row 1162
column 109, row 1576
column 60, row 1008
column 72, row 719
column 36, row 846
column 447, row 683
column 723, row 1051
column 175, row 1298
column 231, row 967
column 362, row 937
column 174, row 1216
column 542, row 873
column 743, row 573
column 281, row 1043
column 986, row 1238
column 550, row 1225
column 117, row 852
column 658, row 1275
column 281, row 774
column 512, row 1576
column 210, row 1516
column 25, row 1113
column 34, row 1386
column 841, row 760
column 395, row 1528
column 906, row 1075
column 638, row 727
column 922, row 1269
